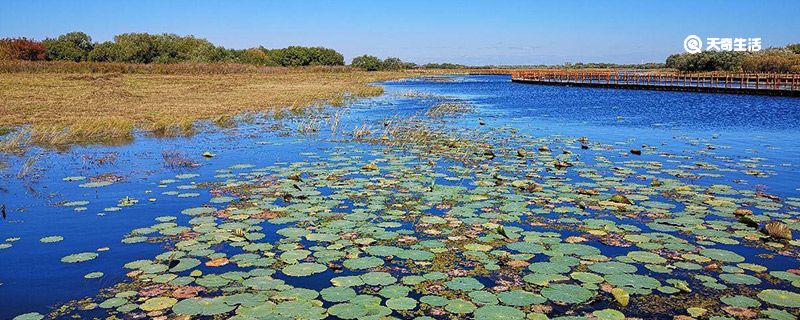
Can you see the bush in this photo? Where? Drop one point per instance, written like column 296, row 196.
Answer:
column 293, row 56
column 325, row 57
column 137, row 47
column 73, row 46
column 770, row 60
column 396, row 64
column 104, row 52
column 257, row 56
column 706, row 61
column 372, row 63
column 795, row 48
column 443, row 66
column 296, row 56
column 367, row 62
column 21, row 49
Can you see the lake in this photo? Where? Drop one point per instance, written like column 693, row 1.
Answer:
column 523, row 199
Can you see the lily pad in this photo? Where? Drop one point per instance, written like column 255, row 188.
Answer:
column 402, row 303
column 79, row 257
column 464, row 284
column 567, row 293
column 303, row 269
column 781, row 298
column 51, row 239
column 495, row 312
column 158, row 303
column 201, row 307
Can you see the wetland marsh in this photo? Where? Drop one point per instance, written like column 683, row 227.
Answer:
column 446, row 197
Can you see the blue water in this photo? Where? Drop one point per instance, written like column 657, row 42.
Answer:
column 737, row 126
column 715, row 128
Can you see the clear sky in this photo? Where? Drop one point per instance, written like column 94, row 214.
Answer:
column 461, row 31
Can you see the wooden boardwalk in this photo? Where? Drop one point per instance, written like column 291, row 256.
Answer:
column 735, row 83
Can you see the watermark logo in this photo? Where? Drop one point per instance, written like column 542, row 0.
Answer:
column 694, row 44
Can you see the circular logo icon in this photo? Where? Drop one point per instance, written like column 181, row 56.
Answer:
column 693, row 44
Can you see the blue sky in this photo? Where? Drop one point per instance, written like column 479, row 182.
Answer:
column 467, row 31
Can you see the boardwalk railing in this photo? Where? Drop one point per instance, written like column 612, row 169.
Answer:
column 742, row 83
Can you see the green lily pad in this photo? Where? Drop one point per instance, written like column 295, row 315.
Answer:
column 459, row 306
column 303, row 269
column 464, row 284
column 781, row 298
column 613, row 267
column 520, row 298
column 29, row 316
column 567, row 293
column 608, row 314
column 740, row 301
column 348, row 311
column 201, row 307
column 722, row 255
column 363, row 263
column 402, row 303
column 495, row 312
column 51, row 239
column 113, row 303
column 158, row 303
column 338, row 294
column 79, row 257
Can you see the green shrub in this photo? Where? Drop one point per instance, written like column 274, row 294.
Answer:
column 295, row 56
column 104, row 52
column 257, row 56
column 73, row 46
column 372, row 63
column 769, row 60
column 367, row 62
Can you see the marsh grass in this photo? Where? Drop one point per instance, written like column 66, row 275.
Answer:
column 86, row 107
column 28, row 167
column 361, row 132
column 417, row 94
column 310, row 124
column 15, row 142
column 109, row 131
column 4, row 130
column 445, row 109
column 334, row 119
column 415, row 132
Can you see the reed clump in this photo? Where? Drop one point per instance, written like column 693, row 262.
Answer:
column 14, row 142
column 113, row 130
column 445, row 109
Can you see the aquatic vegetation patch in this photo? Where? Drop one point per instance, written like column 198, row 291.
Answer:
column 79, row 257
column 423, row 220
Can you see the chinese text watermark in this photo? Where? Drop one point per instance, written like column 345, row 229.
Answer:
column 693, row 44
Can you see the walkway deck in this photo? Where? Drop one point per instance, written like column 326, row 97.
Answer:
column 734, row 83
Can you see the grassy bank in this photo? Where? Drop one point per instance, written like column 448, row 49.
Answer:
column 63, row 104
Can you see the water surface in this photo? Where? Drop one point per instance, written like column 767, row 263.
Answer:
column 734, row 133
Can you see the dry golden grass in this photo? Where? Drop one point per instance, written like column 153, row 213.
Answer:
column 83, row 108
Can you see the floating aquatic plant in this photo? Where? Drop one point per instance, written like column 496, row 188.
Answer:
column 79, row 257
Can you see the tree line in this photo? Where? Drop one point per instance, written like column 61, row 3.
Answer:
column 165, row 48
column 783, row 60
column 160, row 48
